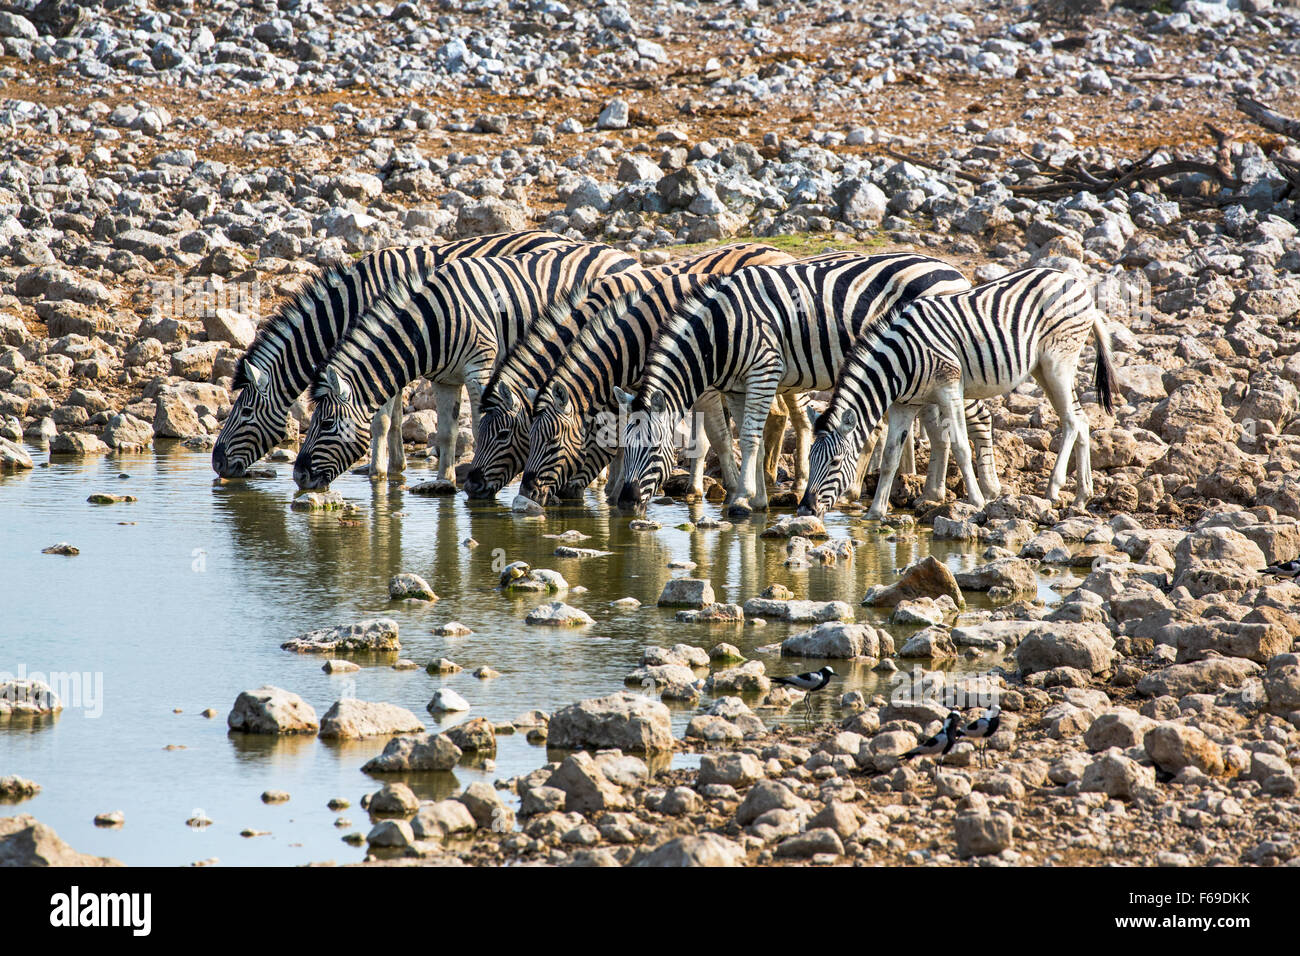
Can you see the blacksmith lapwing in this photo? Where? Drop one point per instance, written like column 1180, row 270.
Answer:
column 808, row 682
column 984, row 728
column 940, row 743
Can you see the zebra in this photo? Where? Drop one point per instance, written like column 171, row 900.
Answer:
column 501, row 438
column 453, row 328
column 283, row 358
column 939, row 350
column 763, row 331
column 570, row 436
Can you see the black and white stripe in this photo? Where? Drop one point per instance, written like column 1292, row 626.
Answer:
column 291, row 345
column 452, row 327
column 984, row 728
column 575, row 423
column 501, row 441
column 944, row 349
column 761, row 332
column 940, row 743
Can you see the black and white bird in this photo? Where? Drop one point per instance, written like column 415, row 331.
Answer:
column 1287, row 569
column 984, row 728
column 808, row 682
column 940, row 743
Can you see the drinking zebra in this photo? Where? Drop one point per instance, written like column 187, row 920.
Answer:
column 943, row 349
column 291, row 345
column 576, row 419
column 452, row 328
column 501, row 437
column 764, row 331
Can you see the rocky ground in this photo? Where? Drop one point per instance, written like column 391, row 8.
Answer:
column 169, row 170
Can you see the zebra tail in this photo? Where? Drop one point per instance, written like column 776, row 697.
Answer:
column 1105, row 378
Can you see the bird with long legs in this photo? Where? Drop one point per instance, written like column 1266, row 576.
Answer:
column 809, row 682
column 940, row 743
column 983, row 729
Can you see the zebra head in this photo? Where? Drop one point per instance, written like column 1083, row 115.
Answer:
column 599, row 444
column 500, row 443
column 338, row 435
column 647, row 450
column 555, row 443
column 255, row 423
column 832, row 460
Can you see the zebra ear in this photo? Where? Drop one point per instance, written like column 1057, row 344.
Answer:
column 848, row 422
column 257, row 378
column 340, row 389
column 506, row 399
column 624, row 398
column 658, row 404
column 561, row 396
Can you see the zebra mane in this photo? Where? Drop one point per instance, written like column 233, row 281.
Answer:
column 687, row 308
column 545, row 328
column 383, row 310
column 597, row 327
column 275, row 333
column 855, row 365
column 595, row 331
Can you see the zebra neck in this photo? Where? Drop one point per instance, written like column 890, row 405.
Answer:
column 873, row 381
column 310, row 327
column 374, row 387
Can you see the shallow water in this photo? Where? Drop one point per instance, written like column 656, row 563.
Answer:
column 181, row 600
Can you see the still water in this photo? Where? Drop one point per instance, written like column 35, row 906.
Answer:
column 180, row 600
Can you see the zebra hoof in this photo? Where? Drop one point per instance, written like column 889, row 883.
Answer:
column 738, row 510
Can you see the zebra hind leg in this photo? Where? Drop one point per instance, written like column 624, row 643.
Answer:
column 936, row 476
column 380, row 428
column 1057, row 379
column 953, row 410
column 979, row 426
column 396, row 450
column 773, row 439
column 796, row 405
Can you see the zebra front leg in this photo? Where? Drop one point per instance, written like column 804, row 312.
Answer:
column 952, row 408
column 447, row 401
column 380, row 428
column 614, row 482
column 859, row 475
column 900, row 419
column 876, row 442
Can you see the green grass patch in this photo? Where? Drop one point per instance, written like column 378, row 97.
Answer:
column 798, row 244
